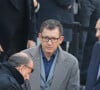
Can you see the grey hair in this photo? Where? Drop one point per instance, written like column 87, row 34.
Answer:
column 19, row 59
column 51, row 24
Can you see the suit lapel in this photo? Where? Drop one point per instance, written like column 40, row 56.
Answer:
column 98, row 80
column 35, row 76
column 98, row 67
column 59, row 73
column 17, row 4
column 93, row 71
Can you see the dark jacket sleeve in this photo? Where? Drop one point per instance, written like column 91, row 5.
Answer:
column 12, row 87
column 64, row 3
column 8, row 83
column 30, row 20
column 26, row 85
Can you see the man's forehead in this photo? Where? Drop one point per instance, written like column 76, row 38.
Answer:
column 50, row 33
column 56, row 30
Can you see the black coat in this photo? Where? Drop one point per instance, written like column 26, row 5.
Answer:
column 10, row 78
column 16, row 25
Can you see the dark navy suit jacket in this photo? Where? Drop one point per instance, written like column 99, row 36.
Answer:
column 92, row 82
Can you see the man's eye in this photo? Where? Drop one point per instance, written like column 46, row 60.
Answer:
column 46, row 38
column 54, row 38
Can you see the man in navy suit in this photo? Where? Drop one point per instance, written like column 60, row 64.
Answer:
column 93, row 76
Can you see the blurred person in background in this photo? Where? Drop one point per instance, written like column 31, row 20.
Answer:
column 61, row 10
column 16, row 26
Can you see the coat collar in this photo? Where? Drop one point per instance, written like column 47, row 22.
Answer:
column 15, row 3
column 19, row 4
column 13, row 72
column 59, row 68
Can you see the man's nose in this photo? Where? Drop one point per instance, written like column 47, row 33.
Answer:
column 27, row 78
column 50, row 41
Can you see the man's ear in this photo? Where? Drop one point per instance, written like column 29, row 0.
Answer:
column 40, row 36
column 61, row 39
column 20, row 68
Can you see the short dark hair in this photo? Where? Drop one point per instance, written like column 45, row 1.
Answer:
column 51, row 24
column 19, row 59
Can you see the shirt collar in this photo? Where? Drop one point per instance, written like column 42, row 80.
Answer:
column 54, row 54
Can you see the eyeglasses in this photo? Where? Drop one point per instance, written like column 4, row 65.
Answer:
column 32, row 70
column 53, row 39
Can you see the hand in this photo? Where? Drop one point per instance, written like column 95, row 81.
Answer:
column 35, row 3
column 1, row 49
column 30, row 43
column 69, row 7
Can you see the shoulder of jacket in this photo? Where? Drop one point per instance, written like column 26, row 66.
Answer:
column 69, row 57
column 7, row 80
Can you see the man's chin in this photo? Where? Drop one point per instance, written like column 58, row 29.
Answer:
column 49, row 51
